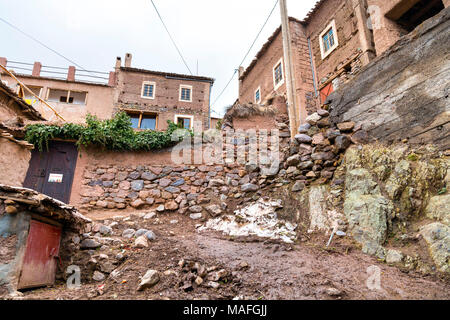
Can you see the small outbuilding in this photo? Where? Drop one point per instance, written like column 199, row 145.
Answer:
column 31, row 229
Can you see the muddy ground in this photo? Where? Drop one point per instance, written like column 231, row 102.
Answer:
column 257, row 268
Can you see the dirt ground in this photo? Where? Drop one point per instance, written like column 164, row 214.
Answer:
column 257, row 268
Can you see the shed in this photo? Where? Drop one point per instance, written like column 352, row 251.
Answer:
column 31, row 226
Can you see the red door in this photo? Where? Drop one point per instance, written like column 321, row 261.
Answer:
column 39, row 264
column 325, row 92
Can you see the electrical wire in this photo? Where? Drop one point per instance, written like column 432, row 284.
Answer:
column 171, row 38
column 42, row 44
column 246, row 55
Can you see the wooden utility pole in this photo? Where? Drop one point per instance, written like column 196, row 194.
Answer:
column 289, row 71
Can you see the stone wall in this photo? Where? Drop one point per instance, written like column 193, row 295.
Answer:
column 404, row 93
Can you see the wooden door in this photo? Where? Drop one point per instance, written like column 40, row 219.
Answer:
column 41, row 254
column 51, row 172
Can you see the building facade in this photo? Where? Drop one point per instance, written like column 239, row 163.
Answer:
column 330, row 46
column 150, row 98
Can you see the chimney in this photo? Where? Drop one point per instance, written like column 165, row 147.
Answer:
column 3, row 61
column 37, row 69
column 71, row 74
column 112, row 79
column 241, row 71
column 128, row 58
column 118, row 63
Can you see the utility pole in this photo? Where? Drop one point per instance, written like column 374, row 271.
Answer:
column 293, row 110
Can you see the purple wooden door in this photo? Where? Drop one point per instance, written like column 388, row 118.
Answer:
column 41, row 253
column 51, row 172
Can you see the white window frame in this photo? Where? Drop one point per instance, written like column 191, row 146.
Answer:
column 259, row 89
column 275, row 85
column 183, row 86
column 332, row 26
column 184, row 116
column 154, row 89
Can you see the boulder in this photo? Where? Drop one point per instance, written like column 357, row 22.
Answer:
column 346, row 126
column 294, row 160
column 393, row 256
column 128, row 233
column 98, row 276
column 90, row 244
column 249, row 187
column 437, row 236
column 214, row 210
column 303, row 138
column 137, row 185
column 141, row 242
column 298, row 186
column 312, row 119
column 439, row 208
column 150, row 279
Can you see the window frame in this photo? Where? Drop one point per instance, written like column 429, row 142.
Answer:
column 141, row 115
column 256, row 100
column 184, row 86
column 68, row 96
column 279, row 84
column 154, row 89
column 331, row 26
column 185, row 116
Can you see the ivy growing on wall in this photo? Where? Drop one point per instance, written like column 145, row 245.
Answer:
column 112, row 134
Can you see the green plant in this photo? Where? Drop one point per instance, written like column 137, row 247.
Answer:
column 112, row 134
column 219, row 124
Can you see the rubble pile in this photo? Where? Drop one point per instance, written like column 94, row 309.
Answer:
column 196, row 274
column 257, row 219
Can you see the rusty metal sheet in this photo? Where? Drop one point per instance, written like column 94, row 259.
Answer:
column 41, row 254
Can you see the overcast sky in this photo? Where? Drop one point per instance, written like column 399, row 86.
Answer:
column 92, row 33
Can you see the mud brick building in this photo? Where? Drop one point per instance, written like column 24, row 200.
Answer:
column 150, row 98
column 15, row 153
column 71, row 97
column 330, row 46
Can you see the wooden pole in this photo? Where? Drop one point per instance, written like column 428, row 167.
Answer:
column 289, row 71
column 24, row 87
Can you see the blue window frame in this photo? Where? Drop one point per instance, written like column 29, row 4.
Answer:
column 328, row 40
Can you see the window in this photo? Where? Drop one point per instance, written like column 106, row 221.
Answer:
column 184, row 122
column 258, row 95
column 143, row 121
column 67, row 96
column 29, row 98
column 185, row 93
column 328, row 40
column 278, row 77
column 148, row 90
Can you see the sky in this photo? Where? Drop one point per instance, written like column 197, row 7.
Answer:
column 214, row 34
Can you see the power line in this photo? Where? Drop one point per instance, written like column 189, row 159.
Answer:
column 42, row 44
column 170, row 36
column 248, row 52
